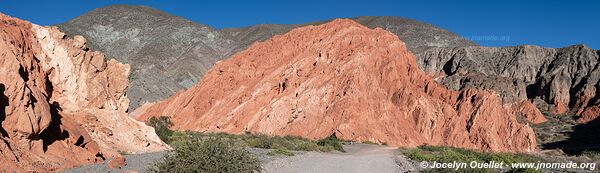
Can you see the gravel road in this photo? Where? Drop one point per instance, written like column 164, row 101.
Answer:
column 135, row 162
column 357, row 158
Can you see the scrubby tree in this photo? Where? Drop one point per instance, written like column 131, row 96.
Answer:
column 210, row 155
column 162, row 126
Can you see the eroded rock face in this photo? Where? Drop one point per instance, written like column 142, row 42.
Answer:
column 345, row 79
column 565, row 78
column 62, row 105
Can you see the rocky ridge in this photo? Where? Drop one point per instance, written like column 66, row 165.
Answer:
column 563, row 80
column 168, row 53
column 419, row 36
column 62, row 104
column 345, row 79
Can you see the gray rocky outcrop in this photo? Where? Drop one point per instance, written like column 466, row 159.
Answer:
column 567, row 78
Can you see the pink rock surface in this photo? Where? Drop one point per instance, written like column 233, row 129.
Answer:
column 527, row 110
column 62, row 104
column 345, row 79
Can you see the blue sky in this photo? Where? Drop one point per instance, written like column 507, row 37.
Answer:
column 502, row 23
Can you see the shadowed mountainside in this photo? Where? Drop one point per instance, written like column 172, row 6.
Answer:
column 580, row 138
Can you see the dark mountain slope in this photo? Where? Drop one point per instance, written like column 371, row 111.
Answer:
column 167, row 53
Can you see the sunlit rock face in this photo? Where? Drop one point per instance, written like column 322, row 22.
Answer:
column 345, row 79
column 62, row 104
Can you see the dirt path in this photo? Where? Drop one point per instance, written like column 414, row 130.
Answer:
column 357, row 158
column 135, row 162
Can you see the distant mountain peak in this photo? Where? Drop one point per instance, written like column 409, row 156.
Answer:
column 169, row 53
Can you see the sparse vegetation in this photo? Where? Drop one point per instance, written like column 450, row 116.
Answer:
column 162, row 127
column 373, row 143
column 369, row 142
column 291, row 143
column 332, row 141
column 592, row 154
column 222, row 152
column 209, row 155
column 451, row 154
column 280, row 151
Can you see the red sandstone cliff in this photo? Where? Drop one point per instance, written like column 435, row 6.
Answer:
column 61, row 104
column 343, row 78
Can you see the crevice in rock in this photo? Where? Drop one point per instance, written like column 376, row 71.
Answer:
column 54, row 132
column 49, row 88
column 282, row 86
column 80, row 141
column 23, row 73
column 533, row 90
column 448, row 66
column 3, row 104
column 99, row 155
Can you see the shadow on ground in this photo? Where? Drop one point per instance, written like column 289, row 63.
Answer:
column 583, row 137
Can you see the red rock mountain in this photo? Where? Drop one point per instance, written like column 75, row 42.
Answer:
column 62, row 105
column 345, row 79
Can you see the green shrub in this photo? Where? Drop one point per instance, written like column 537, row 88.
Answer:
column 291, row 143
column 210, row 155
column 280, row 151
column 451, row 154
column 259, row 141
column 123, row 153
column 180, row 137
column 309, row 146
column 162, row 127
column 332, row 141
